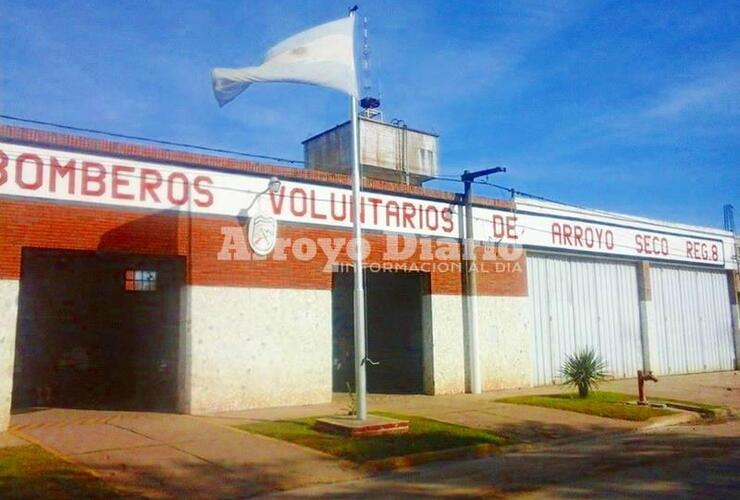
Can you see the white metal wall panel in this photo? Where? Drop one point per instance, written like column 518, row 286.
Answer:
column 693, row 323
column 579, row 303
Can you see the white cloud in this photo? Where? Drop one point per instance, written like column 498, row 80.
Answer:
column 716, row 93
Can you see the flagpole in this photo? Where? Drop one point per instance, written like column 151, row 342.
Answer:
column 359, row 297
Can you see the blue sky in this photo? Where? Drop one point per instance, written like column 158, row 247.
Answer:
column 624, row 106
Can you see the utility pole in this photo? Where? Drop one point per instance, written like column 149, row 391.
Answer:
column 471, row 328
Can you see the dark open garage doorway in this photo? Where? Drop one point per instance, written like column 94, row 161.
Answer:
column 394, row 331
column 98, row 330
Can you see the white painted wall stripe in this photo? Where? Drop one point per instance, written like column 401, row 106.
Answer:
column 37, row 173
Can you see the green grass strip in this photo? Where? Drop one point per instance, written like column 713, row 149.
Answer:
column 31, row 472
column 601, row 404
column 424, row 435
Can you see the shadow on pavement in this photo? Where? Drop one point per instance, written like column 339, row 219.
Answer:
column 628, row 465
column 194, row 479
column 182, row 457
column 540, row 432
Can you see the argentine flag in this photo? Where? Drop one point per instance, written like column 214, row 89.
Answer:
column 322, row 56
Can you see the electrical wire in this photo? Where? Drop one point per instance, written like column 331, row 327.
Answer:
column 567, row 206
column 447, row 178
column 153, row 141
column 363, row 203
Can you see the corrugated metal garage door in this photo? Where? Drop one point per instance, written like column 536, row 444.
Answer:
column 693, row 322
column 578, row 303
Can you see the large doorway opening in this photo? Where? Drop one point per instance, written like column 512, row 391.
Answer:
column 579, row 303
column 394, row 331
column 98, row 330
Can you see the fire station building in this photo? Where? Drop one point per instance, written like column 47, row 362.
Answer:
column 133, row 277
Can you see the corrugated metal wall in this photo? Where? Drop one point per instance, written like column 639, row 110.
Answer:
column 693, row 322
column 578, row 303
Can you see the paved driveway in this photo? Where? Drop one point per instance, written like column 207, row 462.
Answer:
column 177, row 456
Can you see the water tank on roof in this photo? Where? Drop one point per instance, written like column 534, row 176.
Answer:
column 388, row 151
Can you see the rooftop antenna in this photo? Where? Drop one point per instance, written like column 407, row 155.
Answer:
column 369, row 103
column 729, row 218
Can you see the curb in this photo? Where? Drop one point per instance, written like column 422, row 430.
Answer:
column 726, row 412
column 391, row 463
column 475, row 451
column 714, row 412
column 687, row 414
column 683, row 417
column 61, row 456
column 125, row 490
column 408, row 461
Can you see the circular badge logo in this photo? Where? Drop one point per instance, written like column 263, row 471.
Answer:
column 262, row 234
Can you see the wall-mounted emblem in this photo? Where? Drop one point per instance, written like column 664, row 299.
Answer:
column 262, row 233
column 262, row 228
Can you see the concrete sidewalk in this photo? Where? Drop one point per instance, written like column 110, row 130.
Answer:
column 177, row 456
column 173, row 456
column 716, row 388
column 526, row 424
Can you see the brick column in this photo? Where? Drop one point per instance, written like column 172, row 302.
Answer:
column 647, row 313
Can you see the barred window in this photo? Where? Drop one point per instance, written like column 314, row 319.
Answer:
column 140, row 280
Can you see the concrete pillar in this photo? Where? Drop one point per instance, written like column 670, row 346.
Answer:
column 647, row 314
column 8, row 325
column 443, row 347
column 427, row 343
column 184, row 353
column 732, row 280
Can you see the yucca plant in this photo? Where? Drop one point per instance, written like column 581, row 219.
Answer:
column 584, row 370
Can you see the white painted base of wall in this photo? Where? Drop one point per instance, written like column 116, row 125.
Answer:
column 503, row 339
column 444, row 350
column 257, row 347
column 8, row 324
column 504, row 342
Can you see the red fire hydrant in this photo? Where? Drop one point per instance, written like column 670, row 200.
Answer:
column 641, row 378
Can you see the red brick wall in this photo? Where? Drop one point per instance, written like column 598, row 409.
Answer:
column 83, row 227
column 43, row 138
column 200, row 239
column 49, row 225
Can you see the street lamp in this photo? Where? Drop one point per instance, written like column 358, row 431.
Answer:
column 273, row 186
column 470, row 277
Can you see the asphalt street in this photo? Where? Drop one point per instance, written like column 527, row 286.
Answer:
column 678, row 462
